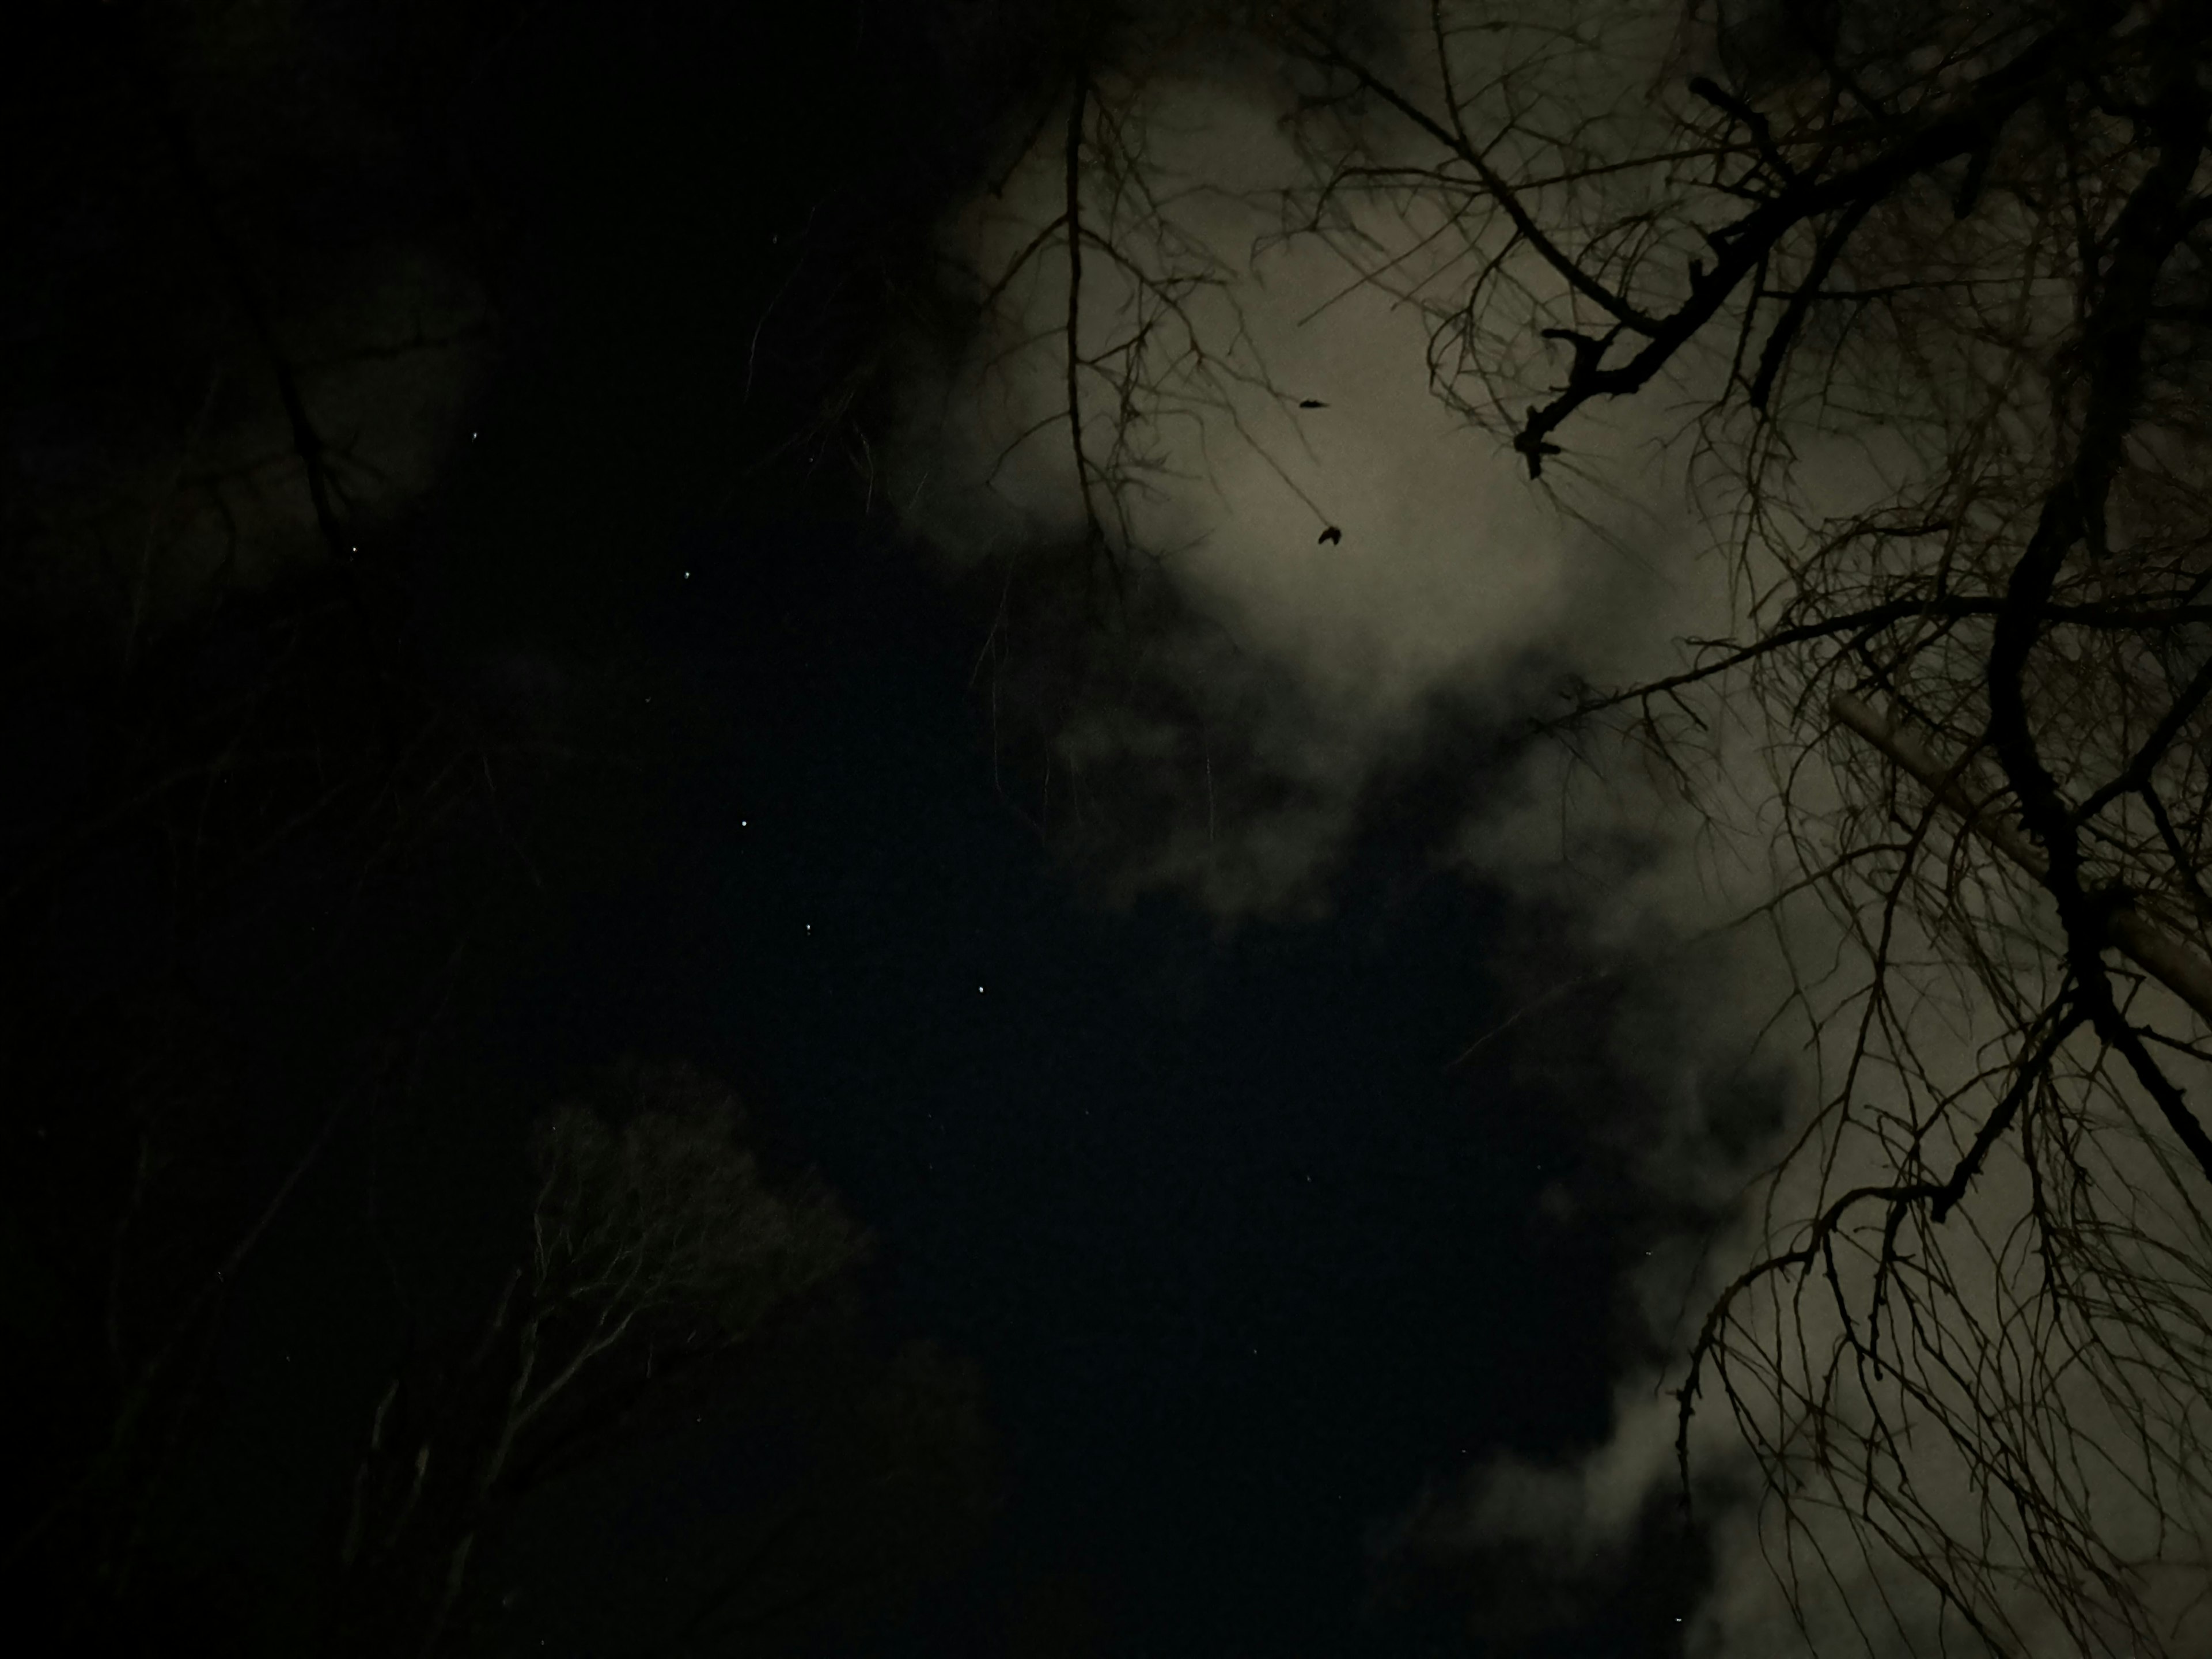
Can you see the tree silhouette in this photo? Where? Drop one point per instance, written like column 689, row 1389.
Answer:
column 656, row 1243
column 1966, row 250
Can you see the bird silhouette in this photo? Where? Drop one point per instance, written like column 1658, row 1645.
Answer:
column 1311, row 403
column 1331, row 534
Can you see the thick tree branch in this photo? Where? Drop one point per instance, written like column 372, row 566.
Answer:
column 2147, row 231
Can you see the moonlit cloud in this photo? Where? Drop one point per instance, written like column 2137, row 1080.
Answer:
column 1317, row 660
column 1323, row 663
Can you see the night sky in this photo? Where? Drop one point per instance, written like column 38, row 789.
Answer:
column 1243, row 1262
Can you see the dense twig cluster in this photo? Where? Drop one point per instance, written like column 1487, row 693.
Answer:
column 1966, row 247
column 1938, row 283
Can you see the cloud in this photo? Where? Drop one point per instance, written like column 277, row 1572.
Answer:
column 1317, row 659
column 1312, row 670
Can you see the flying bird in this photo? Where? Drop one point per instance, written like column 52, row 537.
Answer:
column 1331, row 534
column 1311, row 403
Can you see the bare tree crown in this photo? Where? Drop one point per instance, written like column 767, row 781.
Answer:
column 1936, row 283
